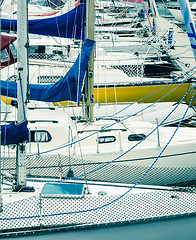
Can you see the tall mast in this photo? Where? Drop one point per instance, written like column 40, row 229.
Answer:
column 90, row 73
column 22, row 36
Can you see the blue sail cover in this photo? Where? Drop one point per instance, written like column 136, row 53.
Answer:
column 14, row 133
column 67, row 88
column 68, row 25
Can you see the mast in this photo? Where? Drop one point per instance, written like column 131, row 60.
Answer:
column 22, row 14
column 90, row 72
column 156, row 16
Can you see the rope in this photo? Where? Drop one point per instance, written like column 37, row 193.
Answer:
column 90, row 135
column 121, row 196
column 92, row 171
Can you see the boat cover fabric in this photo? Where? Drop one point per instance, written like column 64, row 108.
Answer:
column 6, row 40
column 9, row 59
column 68, row 25
column 14, row 133
column 67, row 88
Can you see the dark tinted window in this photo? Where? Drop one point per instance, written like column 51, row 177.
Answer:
column 136, row 137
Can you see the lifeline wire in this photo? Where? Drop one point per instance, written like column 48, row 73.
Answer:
column 82, row 175
column 52, row 150
column 117, row 199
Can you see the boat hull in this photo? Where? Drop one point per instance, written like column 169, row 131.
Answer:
column 146, row 93
column 174, row 166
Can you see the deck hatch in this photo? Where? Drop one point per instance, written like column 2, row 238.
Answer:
column 63, row 190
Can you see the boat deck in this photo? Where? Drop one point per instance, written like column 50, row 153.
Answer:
column 102, row 204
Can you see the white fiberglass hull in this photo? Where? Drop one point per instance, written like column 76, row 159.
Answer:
column 108, row 150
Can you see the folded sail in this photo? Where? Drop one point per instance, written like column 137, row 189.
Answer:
column 14, row 133
column 67, row 88
column 68, row 25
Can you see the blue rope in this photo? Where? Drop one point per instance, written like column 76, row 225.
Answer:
column 106, row 164
column 90, row 135
column 120, row 197
column 136, row 143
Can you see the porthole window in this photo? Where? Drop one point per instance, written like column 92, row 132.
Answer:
column 106, row 139
column 136, row 137
column 40, row 136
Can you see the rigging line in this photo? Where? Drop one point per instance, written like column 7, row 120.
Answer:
column 60, row 41
column 106, row 164
column 124, row 194
column 144, row 108
column 82, row 6
column 158, row 125
column 57, row 25
column 50, row 4
column 143, row 99
column 70, row 172
column 7, row 93
column 52, row 150
column 146, row 50
column 100, row 207
column 78, row 100
column 119, row 197
column 185, row 51
column 80, row 149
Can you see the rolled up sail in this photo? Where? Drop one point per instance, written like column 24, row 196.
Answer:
column 68, row 25
column 14, row 133
column 67, row 88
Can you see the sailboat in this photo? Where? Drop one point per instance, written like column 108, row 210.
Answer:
column 106, row 134
column 107, row 90
column 65, row 202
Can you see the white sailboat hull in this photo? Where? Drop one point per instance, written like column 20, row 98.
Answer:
column 173, row 167
column 105, row 149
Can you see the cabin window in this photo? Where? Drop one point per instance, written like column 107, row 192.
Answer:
column 106, row 37
column 41, row 49
column 40, row 136
column 106, row 139
column 4, row 56
column 57, row 52
column 136, row 137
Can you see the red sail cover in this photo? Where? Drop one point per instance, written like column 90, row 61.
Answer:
column 6, row 40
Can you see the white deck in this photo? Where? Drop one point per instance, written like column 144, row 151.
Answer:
column 106, row 204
